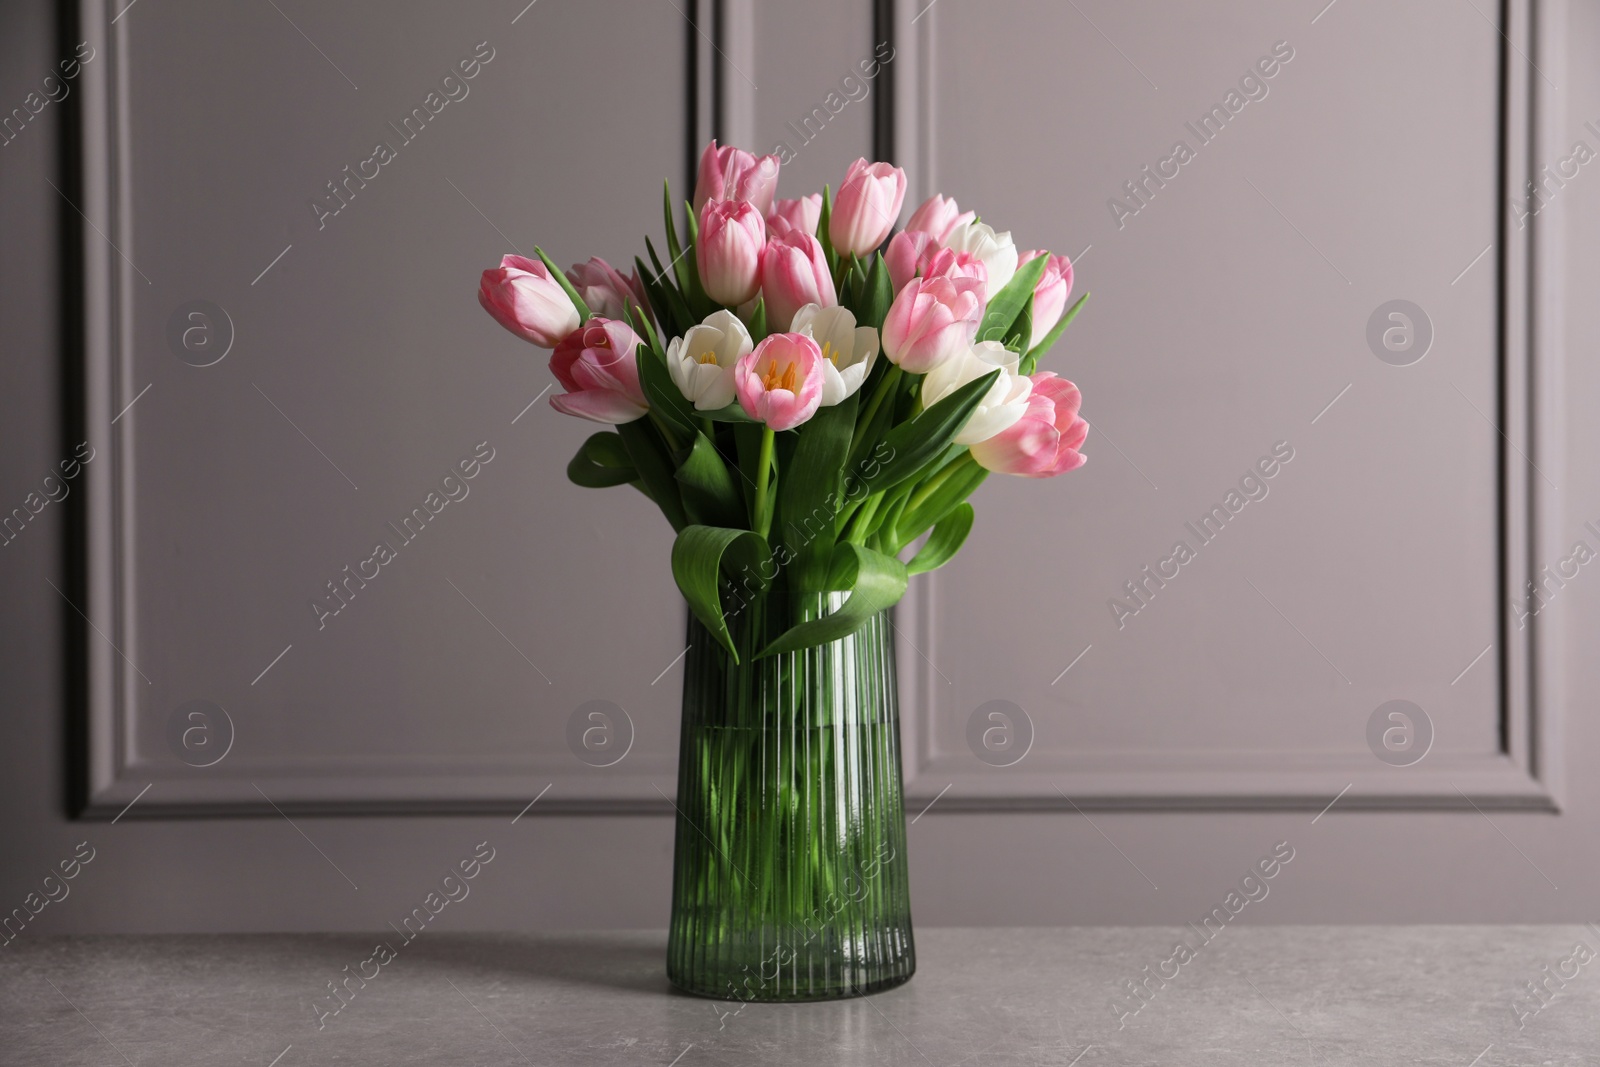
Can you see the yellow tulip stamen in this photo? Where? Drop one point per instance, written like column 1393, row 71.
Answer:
column 830, row 354
column 707, row 356
column 786, row 377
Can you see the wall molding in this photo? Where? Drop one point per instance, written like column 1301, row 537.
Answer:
column 1525, row 775
column 108, row 768
column 106, row 581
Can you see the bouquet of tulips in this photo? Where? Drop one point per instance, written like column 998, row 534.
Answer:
column 801, row 399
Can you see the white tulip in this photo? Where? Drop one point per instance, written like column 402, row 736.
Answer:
column 997, row 251
column 701, row 361
column 1001, row 407
column 848, row 350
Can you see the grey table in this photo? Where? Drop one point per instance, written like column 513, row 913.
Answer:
column 1456, row 996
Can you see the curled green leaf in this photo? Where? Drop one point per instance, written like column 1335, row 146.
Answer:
column 602, row 461
column 945, row 541
column 701, row 556
column 873, row 580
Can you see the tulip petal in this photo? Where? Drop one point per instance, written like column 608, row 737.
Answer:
column 610, row 408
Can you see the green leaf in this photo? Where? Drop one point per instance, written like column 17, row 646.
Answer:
column 877, row 296
column 601, row 462
column 758, row 321
column 710, row 497
column 928, row 506
column 884, row 523
column 849, row 286
column 880, row 389
column 653, row 277
column 747, row 443
column 652, row 293
column 856, row 527
column 807, row 494
column 1021, row 331
column 676, row 318
column 1007, row 303
column 944, row 542
column 608, row 450
column 659, row 273
column 822, row 231
column 875, row 581
column 663, row 394
column 651, row 460
column 584, row 313
column 674, row 250
column 913, row 443
column 642, row 326
column 783, row 447
column 732, row 413
column 700, row 555
column 1031, row 360
column 689, row 267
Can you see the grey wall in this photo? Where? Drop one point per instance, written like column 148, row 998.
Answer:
column 1227, row 312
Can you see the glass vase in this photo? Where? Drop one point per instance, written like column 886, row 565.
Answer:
column 789, row 871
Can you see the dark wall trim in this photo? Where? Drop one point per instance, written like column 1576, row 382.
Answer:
column 73, row 572
column 719, row 70
column 883, row 140
column 705, row 102
column 691, row 99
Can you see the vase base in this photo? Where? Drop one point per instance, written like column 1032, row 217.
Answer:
column 796, row 996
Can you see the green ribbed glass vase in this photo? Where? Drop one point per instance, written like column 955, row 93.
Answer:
column 789, row 875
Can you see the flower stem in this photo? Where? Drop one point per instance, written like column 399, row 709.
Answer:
column 673, row 444
column 861, row 519
column 927, row 489
column 885, row 387
column 761, row 522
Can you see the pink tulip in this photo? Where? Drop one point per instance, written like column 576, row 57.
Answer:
column 914, row 254
column 948, row 263
column 794, row 273
column 606, row 291
column 522, row 296
column 1045, row 441
column 803, row 214
column 937, row 216
column 905, row 255
column 931, row 320
column 868, row 203
column 780, row 383
column 598, row 367
column 728, row 252
column 734, row 174
column 1050, row 295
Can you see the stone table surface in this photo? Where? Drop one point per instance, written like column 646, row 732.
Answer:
column 1449, row 995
